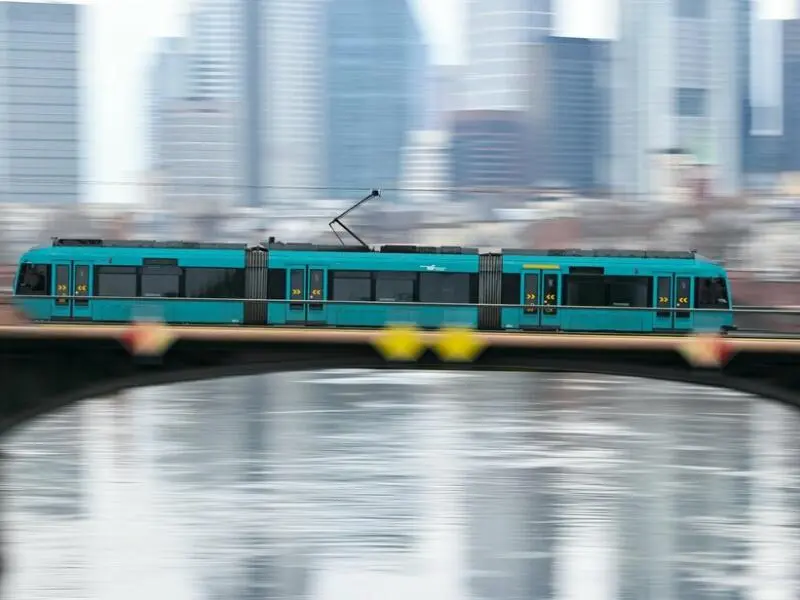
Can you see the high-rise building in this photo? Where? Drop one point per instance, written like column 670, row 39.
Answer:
column 425, row 175
column 260, row 63
column 40, row 113
column 376, row 84
column 292, row 79
column 503, row 95
column 200, row 167
column 500, row 36
column 167, row 82
column 765, row 107
column 196, row 116
column 215, row 70
column 676, row 83
column 578, row 88
column 790, row 149
column 491, row 150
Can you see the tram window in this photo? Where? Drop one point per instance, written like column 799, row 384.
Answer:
column 711, row 293
column 619, row 291
column 584, row 290
column 510, row 290
column 161, row 282
column 395, row 286
column 531, row 292
column 276, row 284
column 445, row 288
column 682, row 291
column 664, row 295
column 34, row 280
column 550, row 296
column 115, row 282
column 351, row 286
column 630, row 291
column 214, row 283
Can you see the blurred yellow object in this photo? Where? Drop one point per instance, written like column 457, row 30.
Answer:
column 400, row 343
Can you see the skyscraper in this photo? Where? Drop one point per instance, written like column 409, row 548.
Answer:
column 676, row 83
column 500, row 34
column 257, row 66
column 40, row 123
column 504, row 100
column 577, row 104
column 167, row 82
column 216, row 39
column 376, row 67
column 292, row 79
column 791, row 95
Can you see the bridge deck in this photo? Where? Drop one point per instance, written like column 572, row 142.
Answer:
column 366, row 336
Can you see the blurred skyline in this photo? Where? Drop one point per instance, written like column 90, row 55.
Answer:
column 121, row 35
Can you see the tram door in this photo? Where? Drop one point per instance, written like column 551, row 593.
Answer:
column 540, row 296
column 673, row 302
column 72, row 288
column 307, row 290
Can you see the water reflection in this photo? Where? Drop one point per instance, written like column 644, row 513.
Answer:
column 395, row 485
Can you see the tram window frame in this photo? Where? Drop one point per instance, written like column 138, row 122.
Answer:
column 664, row 290
column 161, row 274
column 550, row 281
column 683, row 313
column 107, row 277
column 347, row 280
column 531, row 290
column 297, row 281
column 316, row 288
column 709, row 285
column 608, row 291
column 41, row 270
column 81, row 275
column 220, row 282
column 386, row 280
column 510, row 289
column 276, row 284
column 444, row 288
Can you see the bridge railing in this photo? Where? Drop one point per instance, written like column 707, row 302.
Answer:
column 773, row 310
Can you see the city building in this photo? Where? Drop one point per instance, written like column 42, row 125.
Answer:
column 676, row 84
column 40, row 111
column 167, row 82
column 376, row 91
column 491, row 153
column 215, row 63
column 578, row 90
column 790, row 149
column 443, row 95
column 291, row 77
column 765, row 116
column 200, row 169
column 425, row 173
column 196, row 119
column 501, row 39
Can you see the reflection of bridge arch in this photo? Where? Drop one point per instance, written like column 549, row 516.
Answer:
column 45, row 368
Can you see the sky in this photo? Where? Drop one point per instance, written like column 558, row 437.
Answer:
column 121, row 35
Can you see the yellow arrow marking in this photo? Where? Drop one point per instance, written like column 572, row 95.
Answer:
column 401, row 343
column 459, row 344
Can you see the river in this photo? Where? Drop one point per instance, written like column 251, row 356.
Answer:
column 351, row 485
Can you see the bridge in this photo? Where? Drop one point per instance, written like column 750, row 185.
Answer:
column 46, row 367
